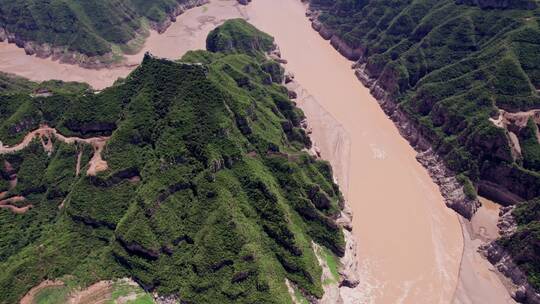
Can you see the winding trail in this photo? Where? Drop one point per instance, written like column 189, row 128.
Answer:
column 45, row 135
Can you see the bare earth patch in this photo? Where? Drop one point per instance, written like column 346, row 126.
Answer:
column 98, row 293
column 29, row 297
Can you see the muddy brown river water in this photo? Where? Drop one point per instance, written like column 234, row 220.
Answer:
column 410, row 246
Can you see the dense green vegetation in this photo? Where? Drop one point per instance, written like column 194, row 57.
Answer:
column 87, row 27
column 238, row 36
column 530, row 146
column 451, row 65
column 209, row 195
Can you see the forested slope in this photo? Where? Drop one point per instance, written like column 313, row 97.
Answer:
column 465, row 74
column 208, row 194
column 87, row 32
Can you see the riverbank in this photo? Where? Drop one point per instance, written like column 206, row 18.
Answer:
column 110, row 59
column 478, row 280
column 188, row 32
column 409, row 244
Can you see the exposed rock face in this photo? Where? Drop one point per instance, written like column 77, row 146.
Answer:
column 3, row 34
column 507, row 223
column 504, row 263
column 348, row 270
column 244, row 2
column 504, row 183
column 166, row 299
column 341, row 46
column 451, row 189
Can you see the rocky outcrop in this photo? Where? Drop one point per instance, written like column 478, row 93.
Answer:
column 503, row 183
column 244, row 2
column 503, row 261
column 451, row 189
column 341, row 46
column 507, row 223
column 348, row 270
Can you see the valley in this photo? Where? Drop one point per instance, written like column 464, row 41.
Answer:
column 407, row 246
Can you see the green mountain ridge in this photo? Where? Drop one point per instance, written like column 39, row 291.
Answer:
column 208, row 195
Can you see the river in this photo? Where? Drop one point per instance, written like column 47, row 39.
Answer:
column 410, row 246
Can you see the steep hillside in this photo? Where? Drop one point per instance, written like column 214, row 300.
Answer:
column 461, row 78
column 202, row 192
column 89, row 33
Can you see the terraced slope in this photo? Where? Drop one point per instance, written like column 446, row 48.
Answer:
column 463, row 77
column 208, row 195
column 85, row 32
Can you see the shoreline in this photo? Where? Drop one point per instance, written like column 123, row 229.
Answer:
column 188, row 32
column 450, row 188
column 479, row 281
column 439, row 259
column 98, row 62
column 340, row 179
column 318, row 125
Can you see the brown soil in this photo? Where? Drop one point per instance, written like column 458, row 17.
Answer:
column 514, row 122
column 29, row 297
column 17, row 210
column 99, row 293
column 10, row 203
